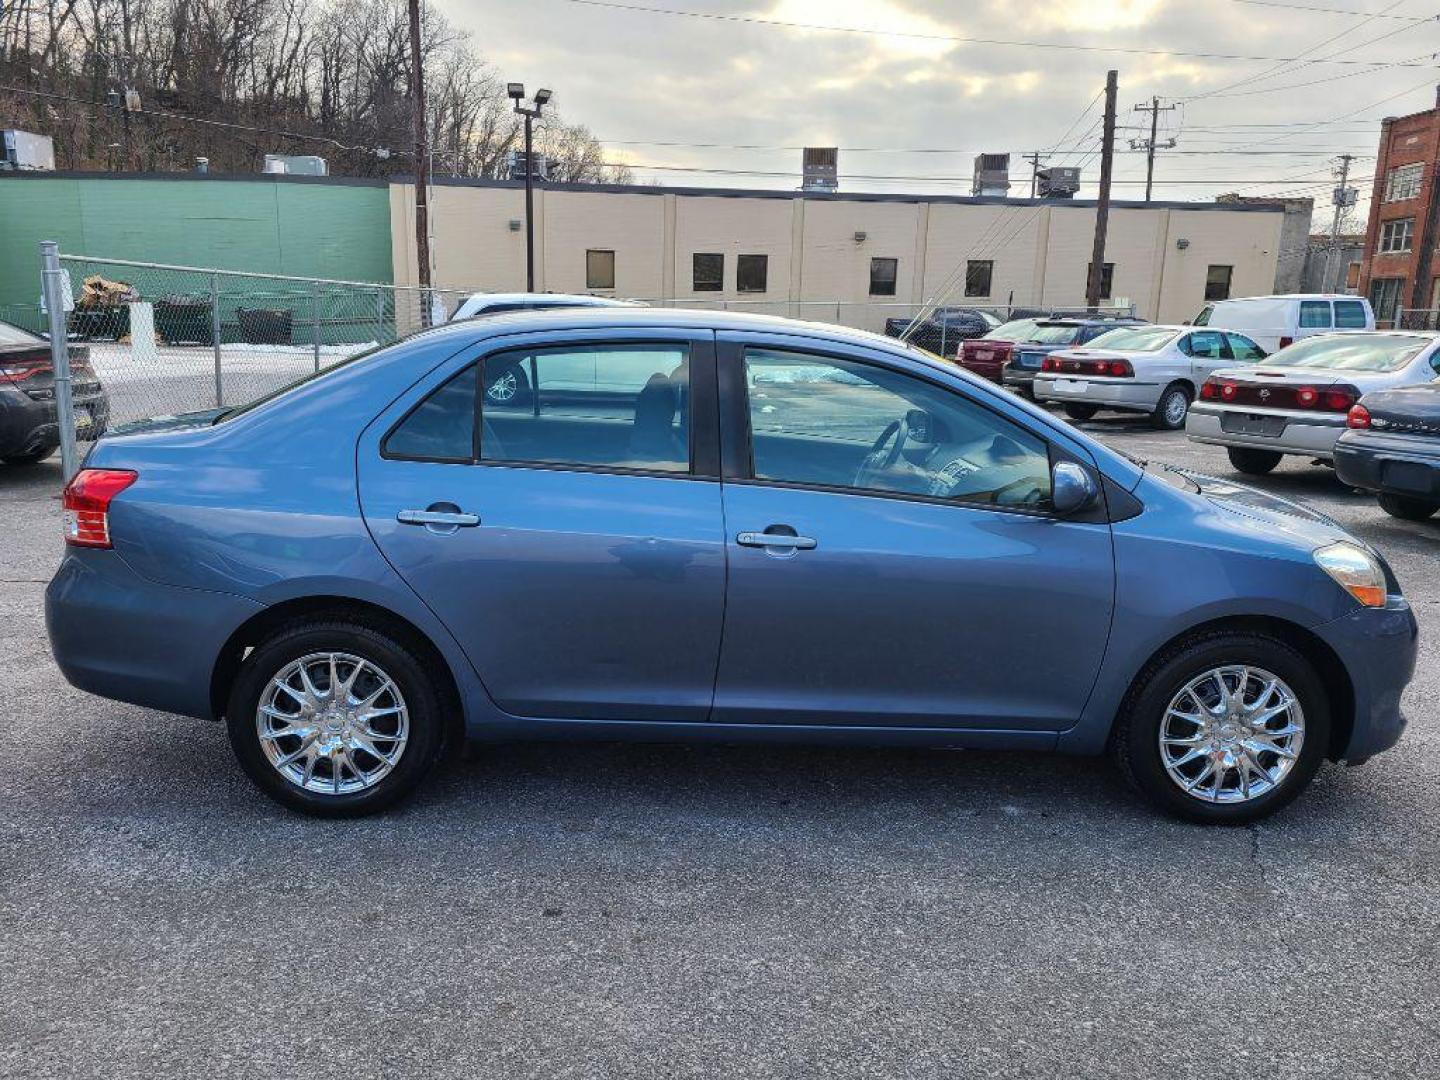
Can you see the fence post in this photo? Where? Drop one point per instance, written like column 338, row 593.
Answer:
column 315, row 321
column 215, row 336
column 380, row 316
column 54, row 293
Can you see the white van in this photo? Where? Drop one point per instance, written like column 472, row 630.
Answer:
column 1273, row 322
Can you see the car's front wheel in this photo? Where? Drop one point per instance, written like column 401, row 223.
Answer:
column 1408, row 508
column 1224, row 729
column 334, row 718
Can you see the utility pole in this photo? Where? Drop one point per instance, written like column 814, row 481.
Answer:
column 1152, row 144
column 1343, row 198
column 422, row 165
column 1035, row 161
column 1102, row 209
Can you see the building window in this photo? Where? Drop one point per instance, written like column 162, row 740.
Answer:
column 977, row 276
column 599, row 269
column 1217, row 282
column 751, row 272
column 1403, row 182
column 1395, row 236
column 1384, row 297
column 709, row 272
column 1107, row 278
column 882, row 276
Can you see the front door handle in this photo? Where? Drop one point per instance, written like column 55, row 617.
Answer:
column 446, row 520
column 775, row 540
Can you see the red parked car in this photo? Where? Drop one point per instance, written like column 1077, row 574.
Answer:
column 986, row 356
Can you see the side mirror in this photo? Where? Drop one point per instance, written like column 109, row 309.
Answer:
column 1072, row 488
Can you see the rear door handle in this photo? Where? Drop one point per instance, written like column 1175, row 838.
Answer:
column 456, row 519
column 775, row 540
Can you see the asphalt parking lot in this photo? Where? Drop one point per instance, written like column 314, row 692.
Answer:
column 608, row 911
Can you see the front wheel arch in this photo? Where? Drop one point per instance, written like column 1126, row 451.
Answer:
column 327, row 608
column 1327, row 665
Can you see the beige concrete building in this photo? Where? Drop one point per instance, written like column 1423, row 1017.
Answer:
column 854, row 258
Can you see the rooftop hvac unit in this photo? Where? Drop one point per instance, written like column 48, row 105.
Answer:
column 992, row 175
column 820, row 169
column 296, row 165
column 24, row 150
column 1058, row 182
column 515, row 166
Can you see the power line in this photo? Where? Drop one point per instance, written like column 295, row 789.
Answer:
column 1333, row 11
column 756, row 20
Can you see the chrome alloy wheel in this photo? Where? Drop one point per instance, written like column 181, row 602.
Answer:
column 504, row 388
column 1176, row 406
column 332, row 723
column 1232, row 734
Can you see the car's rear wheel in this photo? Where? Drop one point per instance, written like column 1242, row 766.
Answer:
column 334, row 718
column 1224, row 729
column 1172, row 408
column 1408, row 508
column 34, row 457
column 1081, row 412
column 1253, row 462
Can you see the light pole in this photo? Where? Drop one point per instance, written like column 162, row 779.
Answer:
column 542, row 97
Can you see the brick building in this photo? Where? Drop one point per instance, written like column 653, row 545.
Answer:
column 1400, row 269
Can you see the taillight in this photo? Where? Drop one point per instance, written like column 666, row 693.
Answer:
column 86, row 502
column 1358, row 417
column 1340, row 398
column 1306, row 396
column 1049, row 364
column 1228, row 391
column 1121, row 369
column 1286, row 341
column 1208, row 389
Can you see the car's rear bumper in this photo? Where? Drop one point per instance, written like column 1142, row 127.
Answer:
column 985, row 369
column 1378, row 647
column 1021, row 378
column 28, row 424
column 122, row 636
column 1305, row 434
column 1390, row 463
column 1106, row 392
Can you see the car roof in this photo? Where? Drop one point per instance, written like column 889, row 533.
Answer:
column 577, row 299
column 1289, row 296
column 621, row 317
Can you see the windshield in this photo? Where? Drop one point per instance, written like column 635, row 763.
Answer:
column 1352, row 352
column 13, row 335
column 240, row 410
column 1014, row 330
column 1054, row 334
column 1135, row 338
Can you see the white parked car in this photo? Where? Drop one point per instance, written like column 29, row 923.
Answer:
column 497, row 303
column 1273, row 322
column 1297, row 401
column 1149, row 369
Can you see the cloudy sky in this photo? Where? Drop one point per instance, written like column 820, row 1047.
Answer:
column 1267, row 92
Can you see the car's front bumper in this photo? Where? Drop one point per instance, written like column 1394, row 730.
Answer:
column 123, row 636
column 1308, row 434
column 1103, row 391
column 1378, row 647
column 1394, row 464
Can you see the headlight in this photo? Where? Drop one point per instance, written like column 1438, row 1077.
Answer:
column 1355, row 570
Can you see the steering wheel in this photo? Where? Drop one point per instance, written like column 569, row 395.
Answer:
column 879, row 459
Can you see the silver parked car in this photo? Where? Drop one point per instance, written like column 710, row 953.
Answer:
column 1297, row 401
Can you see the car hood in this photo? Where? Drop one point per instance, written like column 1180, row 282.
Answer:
column 171, row 422
column 1293, row 518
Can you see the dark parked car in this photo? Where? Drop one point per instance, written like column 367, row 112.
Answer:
column 1051, row 335
column 945, row 328
column 1391, row 446
column 786, row 532
column 28, row 428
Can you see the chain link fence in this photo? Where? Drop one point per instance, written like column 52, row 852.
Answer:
column 1417, row 319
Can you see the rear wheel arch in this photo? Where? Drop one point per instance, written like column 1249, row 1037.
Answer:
column 1326, row 664
column 307, row 609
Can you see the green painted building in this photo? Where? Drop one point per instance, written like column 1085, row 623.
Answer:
column 302, row 226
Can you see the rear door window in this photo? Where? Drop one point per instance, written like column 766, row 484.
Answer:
column 1315, row 314
column 1244, row 350
column 1350, row 315
column 1208, row 345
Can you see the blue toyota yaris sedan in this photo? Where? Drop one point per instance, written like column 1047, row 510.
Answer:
column 647, row 524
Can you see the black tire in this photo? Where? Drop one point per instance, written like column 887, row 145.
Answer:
column 1253, row 462
column 1081, row 412
column 1408, row 508
column 1134, row 743
column 34, row 457
column 417, row 686
column 1168, row 408
column 509, row 387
